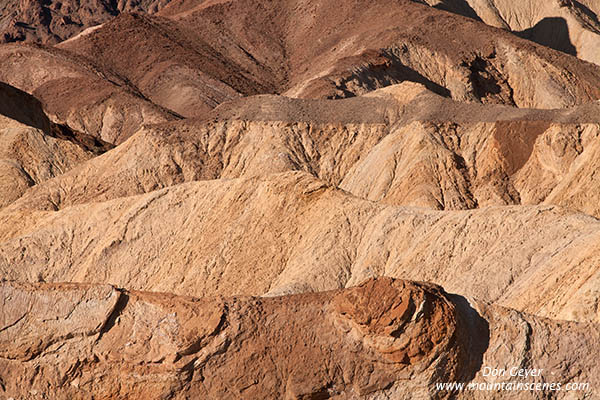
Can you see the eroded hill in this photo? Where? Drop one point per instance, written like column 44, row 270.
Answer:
column 244, row 199
column 382, row 339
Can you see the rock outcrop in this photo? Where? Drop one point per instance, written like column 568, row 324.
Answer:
column 569, row 26
column 76, row 93
column 32, row 148
column 51, row 22
column 382, row 339
column 225, row 199
column 305, row 51
column 292, row 233
column 401, row 145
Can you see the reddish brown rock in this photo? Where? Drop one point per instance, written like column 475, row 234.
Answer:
column 116, row 344
column 382, row 339
column 294, row 150
column 569, row 26
column 76, row 93
column 32, row 148
column 51, row 22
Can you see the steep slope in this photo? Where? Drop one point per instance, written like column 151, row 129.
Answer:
column 383, row 339
column 446, row 155
column 401, row 145
column 76, row 93
column 569, row 26
column 221, row 199
column 170, row 64
column 29, row 156
column 226, row 147
column 51, row 22
column 292, row 233
column 321, row 50
column 30, row 151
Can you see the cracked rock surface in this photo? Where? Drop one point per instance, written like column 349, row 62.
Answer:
column 391, row 339
column 299, row 199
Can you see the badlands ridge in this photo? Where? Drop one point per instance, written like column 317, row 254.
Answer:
column 238, row 199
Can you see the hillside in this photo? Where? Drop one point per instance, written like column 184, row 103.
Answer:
column 235, row 199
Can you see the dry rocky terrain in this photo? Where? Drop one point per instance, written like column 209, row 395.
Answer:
column 235, row 199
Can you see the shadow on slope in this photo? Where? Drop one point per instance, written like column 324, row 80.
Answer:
column 26, row 109
column 460, row 7
column 378, row 70
column 475, row 333
column 589, row 15
column 551, row 32
column 22, row 107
